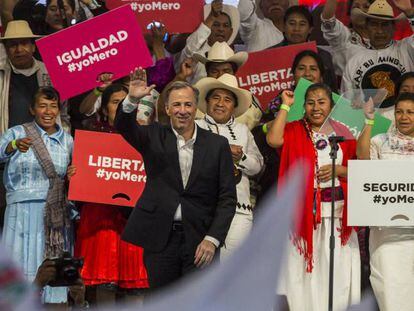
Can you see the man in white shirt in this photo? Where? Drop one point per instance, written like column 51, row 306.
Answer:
column 381, row 65
column 261, row 23
column 223, row 101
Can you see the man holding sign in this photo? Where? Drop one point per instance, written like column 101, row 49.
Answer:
column 189, row 201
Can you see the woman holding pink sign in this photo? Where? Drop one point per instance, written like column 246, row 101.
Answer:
column 110, row 264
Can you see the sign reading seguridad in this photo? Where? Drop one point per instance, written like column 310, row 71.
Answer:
column 76, row 56
column 380, row 193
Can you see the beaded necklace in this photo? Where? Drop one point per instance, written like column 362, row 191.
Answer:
column 317, row 194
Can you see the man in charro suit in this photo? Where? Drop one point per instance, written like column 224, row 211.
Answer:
column 189, row 201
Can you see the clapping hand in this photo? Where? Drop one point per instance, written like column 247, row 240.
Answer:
column 138, row 87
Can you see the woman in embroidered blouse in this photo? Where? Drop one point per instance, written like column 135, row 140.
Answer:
column 391, row 248
column 308, row 253
column 27, row 187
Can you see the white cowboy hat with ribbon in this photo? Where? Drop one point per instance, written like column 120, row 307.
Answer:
column 226, row 82
column 221, row 52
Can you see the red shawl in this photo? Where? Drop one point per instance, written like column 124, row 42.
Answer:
column 298, row 146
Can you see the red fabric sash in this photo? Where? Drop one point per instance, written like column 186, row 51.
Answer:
column 298, row 147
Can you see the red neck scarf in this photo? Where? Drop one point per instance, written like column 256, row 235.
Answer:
column 298, row 146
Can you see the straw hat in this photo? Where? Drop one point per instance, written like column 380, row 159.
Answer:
column 231, row 11
column 227, row 82
column 18, row 30
column 221, row 52
column 379, row 9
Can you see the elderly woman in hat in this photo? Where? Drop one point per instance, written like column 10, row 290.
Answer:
column 305, row 281
column 391, row 248
column 222, row 101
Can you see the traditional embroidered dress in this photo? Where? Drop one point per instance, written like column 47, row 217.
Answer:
column 305, row 281
column 108, row 259
column 392, row 248
column 26, row 191
column 250, row 164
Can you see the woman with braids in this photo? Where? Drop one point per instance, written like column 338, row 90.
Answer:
column 110, row 264
column 37, row 155
column 306, row 282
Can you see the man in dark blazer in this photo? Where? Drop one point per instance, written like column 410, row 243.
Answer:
column 189, row 199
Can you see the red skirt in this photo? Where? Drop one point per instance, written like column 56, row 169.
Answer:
column 108, row 259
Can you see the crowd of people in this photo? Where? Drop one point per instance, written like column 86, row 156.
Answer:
column 211, row 150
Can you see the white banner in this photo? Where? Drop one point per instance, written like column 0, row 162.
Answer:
column 381, row 193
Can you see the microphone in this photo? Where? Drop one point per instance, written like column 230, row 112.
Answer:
column 336, row 139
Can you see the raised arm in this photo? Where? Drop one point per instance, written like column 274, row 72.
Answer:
column 276, row 131
column 364, row 139
column 248, row 18
column 125, row 120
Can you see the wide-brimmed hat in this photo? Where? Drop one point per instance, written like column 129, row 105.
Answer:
column 221, row 52
column 18, row 30
column 379, row 9
column 227, row 82
column 234, row 14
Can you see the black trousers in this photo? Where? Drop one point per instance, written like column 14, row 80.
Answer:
column 171, row 263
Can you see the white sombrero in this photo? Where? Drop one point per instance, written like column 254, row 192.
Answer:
column 234, row 14
column 227, row 82
column 221, row 52
column 379, row 9
column 18, row 30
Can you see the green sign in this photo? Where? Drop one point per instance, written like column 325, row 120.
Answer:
column 343, row 112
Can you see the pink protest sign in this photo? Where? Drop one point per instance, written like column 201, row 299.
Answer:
column 112, row 42
column 179, row 16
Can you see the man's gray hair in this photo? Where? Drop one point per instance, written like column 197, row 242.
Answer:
column 178, row 85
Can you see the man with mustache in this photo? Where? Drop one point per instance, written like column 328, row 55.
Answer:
column 391, row 58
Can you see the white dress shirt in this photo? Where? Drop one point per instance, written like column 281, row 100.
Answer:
column 185, row 151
